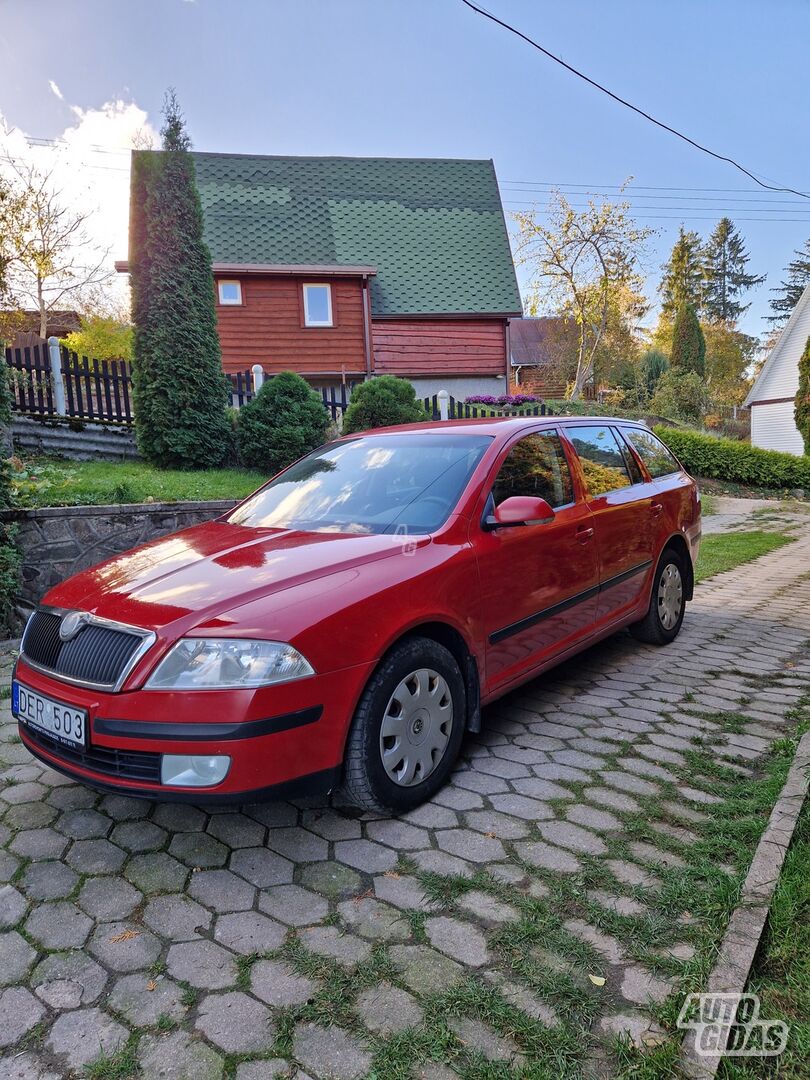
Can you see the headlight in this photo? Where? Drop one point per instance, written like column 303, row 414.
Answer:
column 227, row 664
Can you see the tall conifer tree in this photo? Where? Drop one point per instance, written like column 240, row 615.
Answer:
column 725, row 263
column 682, row 282
column 688, row 343
column 802, row 407
column 180, row 390
column 796, row 281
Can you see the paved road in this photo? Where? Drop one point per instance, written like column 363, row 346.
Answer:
column 202, row 945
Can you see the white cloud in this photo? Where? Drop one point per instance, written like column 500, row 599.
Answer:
column 55, row 90
column 89, row 165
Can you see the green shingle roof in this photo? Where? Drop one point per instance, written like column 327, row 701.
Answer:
column 433, row 228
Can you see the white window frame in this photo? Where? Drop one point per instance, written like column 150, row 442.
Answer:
column 229, row 303
column 318, row 285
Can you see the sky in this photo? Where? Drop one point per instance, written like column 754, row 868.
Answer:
column 430, row 78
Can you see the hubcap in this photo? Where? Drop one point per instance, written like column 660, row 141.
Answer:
column 416, row 727
column 670, row 596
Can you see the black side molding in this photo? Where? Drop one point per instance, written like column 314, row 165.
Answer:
column 556, row 609
column 250, row 729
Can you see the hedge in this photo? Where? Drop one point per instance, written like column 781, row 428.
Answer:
column 736, row 462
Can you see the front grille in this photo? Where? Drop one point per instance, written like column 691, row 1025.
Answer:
column 99, row 654
column 123, row 764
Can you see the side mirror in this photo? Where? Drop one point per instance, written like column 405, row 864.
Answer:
column 519, row 510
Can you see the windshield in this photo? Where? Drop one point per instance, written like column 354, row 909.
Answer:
column 376, row 484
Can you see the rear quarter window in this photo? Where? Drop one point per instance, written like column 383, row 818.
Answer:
column 658, row 460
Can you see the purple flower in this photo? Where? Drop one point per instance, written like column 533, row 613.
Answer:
column 502, row 400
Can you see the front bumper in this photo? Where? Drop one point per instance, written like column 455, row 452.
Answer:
column 282, row 740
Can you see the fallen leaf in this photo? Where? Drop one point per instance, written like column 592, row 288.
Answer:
column 125, row 935
column 151, row 985
column 391, row 873
column 491, row 835
column 597, row 980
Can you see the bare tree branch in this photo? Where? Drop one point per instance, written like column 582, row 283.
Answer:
column 43, row 243
column 581, row 263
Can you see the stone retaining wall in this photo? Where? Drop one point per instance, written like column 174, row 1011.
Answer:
column 59, row 541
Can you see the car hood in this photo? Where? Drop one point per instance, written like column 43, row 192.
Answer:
column 194, row 575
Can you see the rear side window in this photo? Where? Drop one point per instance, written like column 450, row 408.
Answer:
column 652, row 452
column 536, row 466
column 601, row 457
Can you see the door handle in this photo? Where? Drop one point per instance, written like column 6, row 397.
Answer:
column 584, row 533
column 656, row 509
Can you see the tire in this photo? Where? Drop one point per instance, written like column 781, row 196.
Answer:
column 664, row 617
column 395, row 739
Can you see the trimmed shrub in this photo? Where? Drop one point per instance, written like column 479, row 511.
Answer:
column 802, row 409
column 284, row 421
column 681, row 395
column 382, row 402
column 735, row 462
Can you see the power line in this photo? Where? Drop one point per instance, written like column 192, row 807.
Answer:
column 629, row 194
column 627, row 104
column 621, row 187
column 634, row 203
column 691, row 217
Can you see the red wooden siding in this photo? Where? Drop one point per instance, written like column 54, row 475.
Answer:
column 268, row 328
column 412, row 347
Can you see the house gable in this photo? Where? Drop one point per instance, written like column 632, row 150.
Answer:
column 779, row 379
column 433, row 228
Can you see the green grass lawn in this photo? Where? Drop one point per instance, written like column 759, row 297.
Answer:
column 724, row 551
column 48, row 482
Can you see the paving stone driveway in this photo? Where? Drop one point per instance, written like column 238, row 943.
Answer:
column 189, row 944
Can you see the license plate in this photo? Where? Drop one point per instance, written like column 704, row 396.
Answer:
column 62, row 722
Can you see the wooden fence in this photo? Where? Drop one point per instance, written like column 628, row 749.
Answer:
column 61, row 383
column 89, row 389
column 461, row 410
column 77, row 386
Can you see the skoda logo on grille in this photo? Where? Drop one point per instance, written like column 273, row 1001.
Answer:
column 72, row 623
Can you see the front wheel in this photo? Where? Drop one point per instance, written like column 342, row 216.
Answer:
column 407, row 731
column 664, row 617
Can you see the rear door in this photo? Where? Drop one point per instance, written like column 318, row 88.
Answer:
column 675, row 505
column 621, row 499
column 539, row 583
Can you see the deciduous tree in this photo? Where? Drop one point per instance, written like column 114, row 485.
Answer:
column 584, row 266
column 50, row 259
column 102, row 336
column 730, row 356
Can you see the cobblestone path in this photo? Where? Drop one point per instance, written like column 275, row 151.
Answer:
column 554, row 896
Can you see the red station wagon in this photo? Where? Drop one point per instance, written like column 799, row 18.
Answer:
column 345, row 624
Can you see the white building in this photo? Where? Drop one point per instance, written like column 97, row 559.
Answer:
column 773, row 395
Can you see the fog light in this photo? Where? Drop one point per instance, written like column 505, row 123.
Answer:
column 185, row 770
